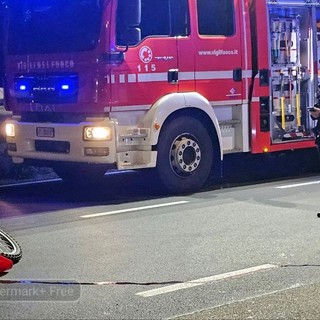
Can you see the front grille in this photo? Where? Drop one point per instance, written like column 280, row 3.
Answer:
column 52, row 146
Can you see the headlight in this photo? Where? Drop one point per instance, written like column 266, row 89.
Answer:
column 97, row 133
column 10, row 130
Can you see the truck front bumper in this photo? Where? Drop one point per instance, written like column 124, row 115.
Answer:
column 60, row 142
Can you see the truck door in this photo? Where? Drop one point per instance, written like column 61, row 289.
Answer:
column 218, row 58
column 181, row 22
column 150, row 65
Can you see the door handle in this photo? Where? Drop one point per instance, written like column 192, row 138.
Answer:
column 237, row 74
column 173, row 76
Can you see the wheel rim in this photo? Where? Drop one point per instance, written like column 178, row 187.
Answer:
column 185, row 155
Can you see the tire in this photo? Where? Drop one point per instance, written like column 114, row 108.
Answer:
column 185, row 155
column 9, row 247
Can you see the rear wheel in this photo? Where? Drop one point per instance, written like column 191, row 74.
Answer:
column 185, row 155
column 9, row 247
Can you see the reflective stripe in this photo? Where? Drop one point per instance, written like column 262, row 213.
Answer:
column 183, row 76
column 226, row 102
column 212, row 75
column 152, row 77
column 131, row 108
column 147, row 107
column 186, row 76
column 255, row 99
column 122, row 78
column 132, row 78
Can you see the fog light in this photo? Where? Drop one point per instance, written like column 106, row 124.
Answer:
column 96, row 152
column 10, row 130
column 97, row 133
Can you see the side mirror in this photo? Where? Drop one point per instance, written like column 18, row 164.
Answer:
column 129, row 37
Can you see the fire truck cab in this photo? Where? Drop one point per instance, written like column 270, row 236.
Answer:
column 171, row 85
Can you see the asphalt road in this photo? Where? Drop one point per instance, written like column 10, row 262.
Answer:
column 118, row 251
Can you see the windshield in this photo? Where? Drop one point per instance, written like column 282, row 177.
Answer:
column 52, row 26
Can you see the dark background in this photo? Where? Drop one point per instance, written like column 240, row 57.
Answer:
column 1, row 42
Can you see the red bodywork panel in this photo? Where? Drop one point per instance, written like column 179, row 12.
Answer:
column 205, row 64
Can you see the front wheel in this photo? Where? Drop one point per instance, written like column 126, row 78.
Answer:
column 185, row 155
column 9, row 248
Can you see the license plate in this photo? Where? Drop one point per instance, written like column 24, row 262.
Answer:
column 45, row 132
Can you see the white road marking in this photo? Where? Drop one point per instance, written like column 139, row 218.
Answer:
column 203, row 281
column 94, row 215
column 185, row 315
column 298, row 185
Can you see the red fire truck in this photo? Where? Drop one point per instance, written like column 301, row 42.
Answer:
column 171, row 85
